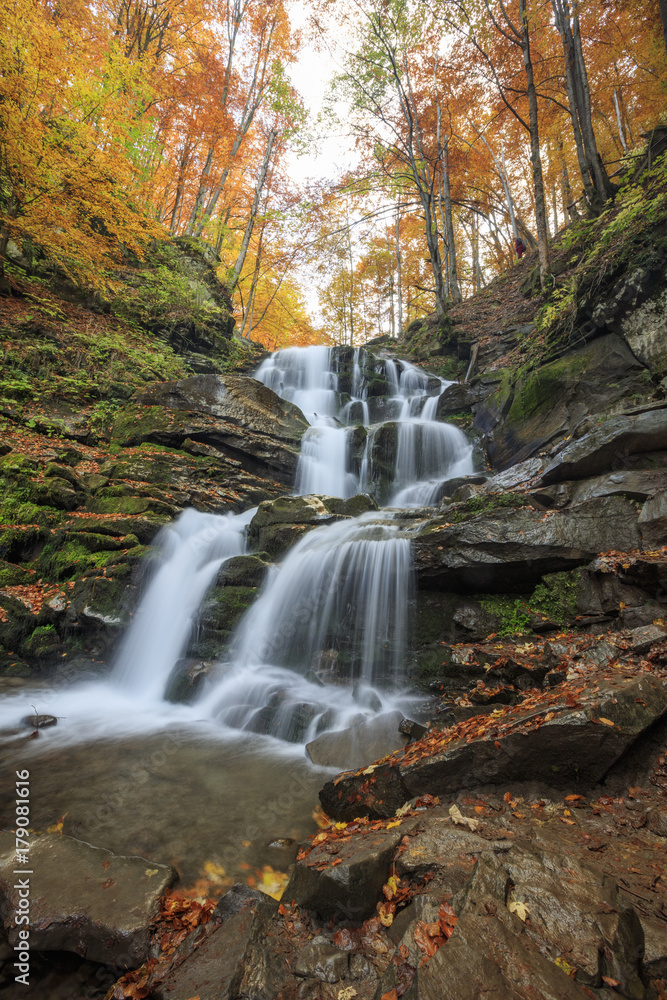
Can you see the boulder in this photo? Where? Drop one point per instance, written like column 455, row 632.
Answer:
column 491, row 954
column 504, row 549
column 233, row 960
column 539, row 406
column 279, row 523
column 653, row 521
column 573, row 910
column 572, row 745
column 536, row 922
column 611, row 445
column 236, row 415
column 322, row 960
column 631, row 483
column 349, row 888
column 359, row 745
column 83, row 899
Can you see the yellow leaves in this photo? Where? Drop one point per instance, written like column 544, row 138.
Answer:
column 563, row 964
column 392, row 823
column 605, row 722
column 57, row 827
column 272, row 882
column 215, row 872
column 150, row 872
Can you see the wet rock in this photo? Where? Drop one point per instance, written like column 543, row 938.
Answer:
column 451, row 486
column 653, row 521
column 236, row 415
column 349, row 889
column 501, row 548
column 322, row 960
column 537, row 407
column 521, row 474
column 657, row 822
column 447, row 850
column 461, row 396
column 39, row 721
column 641, row 639
column 631, row 483
column 413, row 730
column 278, row 524
column 84, row 899
column 234, row 959
column 655, row 947
column 243, row 571
column 491, row 954
column 574, row 910
column 572, row 745
column 359, row 745
column 609, row 446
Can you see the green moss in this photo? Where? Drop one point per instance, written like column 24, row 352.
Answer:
column 41, row 642
column 487, row 504
column 13, row 576
column 542, row 388
column 512, row 613
column 556, row 596
column 68, row 559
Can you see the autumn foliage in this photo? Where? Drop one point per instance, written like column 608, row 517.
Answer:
column 133, row 119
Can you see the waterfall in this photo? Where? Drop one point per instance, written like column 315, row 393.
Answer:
column 404, row 465
column 334, row 613
column 326, row 642
column 189, row 554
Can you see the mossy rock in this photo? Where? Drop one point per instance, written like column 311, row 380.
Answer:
column 143, row 528
column 16, row 462
column 362, row 503
column 135, row 422
column 534, row 407
column 42, row 644
column 12, row 575
column 243, row 571
column 218, row 617
column 106, row 503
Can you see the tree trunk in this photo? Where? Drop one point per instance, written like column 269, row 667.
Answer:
column 619, row 122
column 535, row 157
column 245, row 243
column 399, row 274
column 594, row 175
column 452, row 268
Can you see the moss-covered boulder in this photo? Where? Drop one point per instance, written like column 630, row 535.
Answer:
column 533, row 408
column 218, row 616
column 278, row 524
column 238, row 416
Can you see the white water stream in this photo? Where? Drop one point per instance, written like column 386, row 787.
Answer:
column 326, row 642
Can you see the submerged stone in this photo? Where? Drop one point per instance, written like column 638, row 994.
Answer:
column 83, row 899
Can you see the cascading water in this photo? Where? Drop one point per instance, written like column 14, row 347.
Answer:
column 331, row 621
column 190, row 553
column 391, row 446
column 325, row 643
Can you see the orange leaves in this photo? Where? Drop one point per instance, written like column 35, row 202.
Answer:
column 430, row 937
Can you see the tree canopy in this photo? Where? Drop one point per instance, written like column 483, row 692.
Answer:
column 473, row 122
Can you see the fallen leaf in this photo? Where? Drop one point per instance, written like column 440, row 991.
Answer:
column 605, row 722
column 460, row 820
column 520, row 909
column 563, row 964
